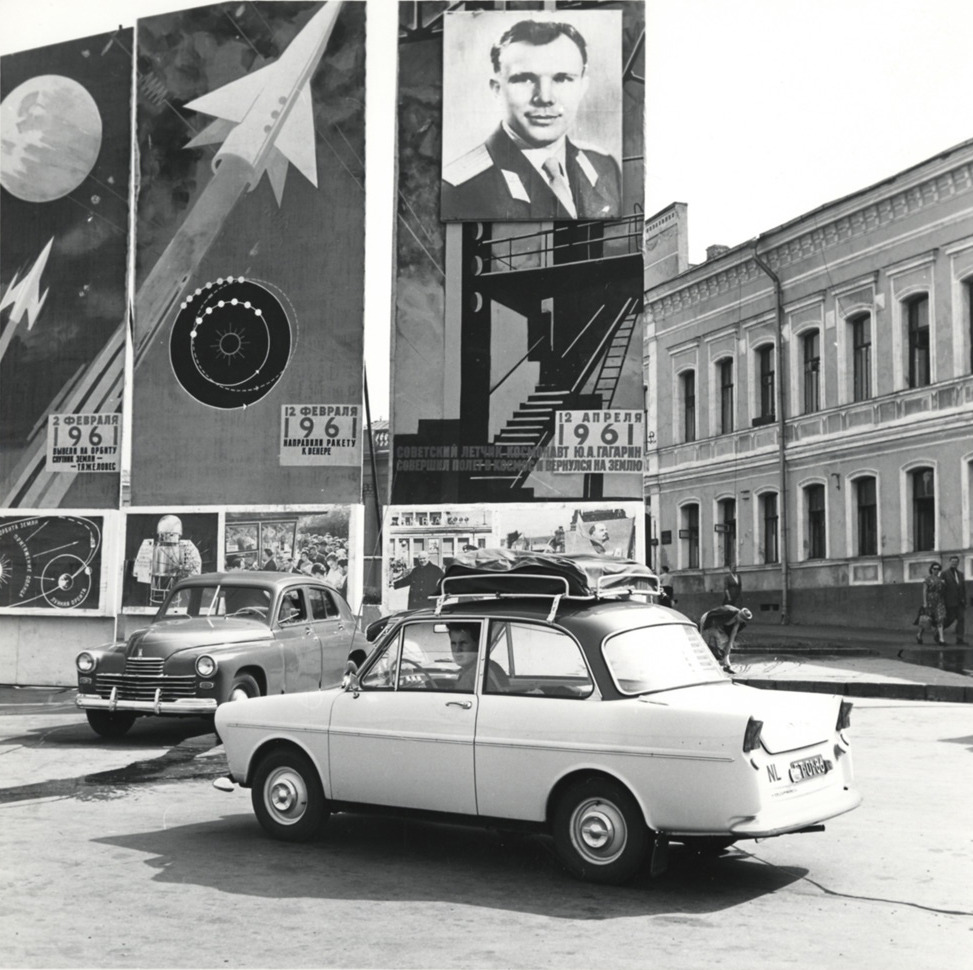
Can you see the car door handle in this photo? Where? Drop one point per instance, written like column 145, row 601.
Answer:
column 466, row 705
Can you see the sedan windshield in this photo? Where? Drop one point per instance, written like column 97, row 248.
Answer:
column 660, row 658
column 217, row 601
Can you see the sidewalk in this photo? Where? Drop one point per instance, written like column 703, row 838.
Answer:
column 862, row 663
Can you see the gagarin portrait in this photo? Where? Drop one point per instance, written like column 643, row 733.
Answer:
column 532, row 115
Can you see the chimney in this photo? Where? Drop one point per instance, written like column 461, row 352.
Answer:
column 713, row 251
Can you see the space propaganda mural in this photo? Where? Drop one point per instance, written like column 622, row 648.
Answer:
column 51, row 562
column 64, row 204
column 517, row 364
column 248, row 312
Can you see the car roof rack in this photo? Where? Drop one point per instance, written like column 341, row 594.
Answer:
column 509, row 574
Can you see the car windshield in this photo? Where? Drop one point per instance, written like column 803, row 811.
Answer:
column 217, row 601
column 656, row 658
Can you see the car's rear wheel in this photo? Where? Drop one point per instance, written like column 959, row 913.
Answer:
column 287, row 796
column 243, row 687
column 110, row 724
column 599, row 831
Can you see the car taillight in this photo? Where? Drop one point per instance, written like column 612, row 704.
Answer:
column 844, row 716
column 751, row 737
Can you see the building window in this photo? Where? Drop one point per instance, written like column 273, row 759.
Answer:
column 769, row 539
column 917, row 321
column 923, row 509
column 811, row 346
column 867, row 516
column 688, row 380
column 968, row 291
column 726, row 395
column 728, row 531
column 689, row 534
column 765, row 374
column 861, row 350
column 816, row 523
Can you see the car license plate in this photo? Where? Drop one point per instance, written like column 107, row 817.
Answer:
column 809, row 768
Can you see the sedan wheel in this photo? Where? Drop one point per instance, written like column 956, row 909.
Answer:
column 243, row 688
column 287, row 796
column 599, row 831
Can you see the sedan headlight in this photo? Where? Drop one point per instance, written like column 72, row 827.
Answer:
column 85, row 662
column 205, row 666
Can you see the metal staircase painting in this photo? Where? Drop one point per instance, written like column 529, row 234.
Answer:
column 532, row 425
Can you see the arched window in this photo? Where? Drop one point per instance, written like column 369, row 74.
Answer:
column 687, row 381
column 816, row 522
column 724, row 369
column 866, row 516
column 766, row 407
column 769, row 527
column 861, row 356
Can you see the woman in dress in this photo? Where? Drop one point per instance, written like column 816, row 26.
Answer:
column 934, row 601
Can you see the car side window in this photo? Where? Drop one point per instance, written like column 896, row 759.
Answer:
column 322, row 605
column 427, row 656
column 537, row 660
column 291, row 608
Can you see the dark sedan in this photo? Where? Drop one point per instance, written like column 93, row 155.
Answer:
column 220, row 637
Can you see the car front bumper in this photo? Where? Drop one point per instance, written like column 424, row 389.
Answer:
column 184, row 705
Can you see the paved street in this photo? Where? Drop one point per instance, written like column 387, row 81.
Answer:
column 123, row 855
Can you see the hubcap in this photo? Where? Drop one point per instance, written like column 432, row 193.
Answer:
column 598, row 831
column 286, row 796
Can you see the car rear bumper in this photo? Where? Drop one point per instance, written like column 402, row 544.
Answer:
column 185, row 705
column 796, row 814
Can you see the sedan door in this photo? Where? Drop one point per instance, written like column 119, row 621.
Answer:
column 299, row 643
column 405, row 737
column 334, row 633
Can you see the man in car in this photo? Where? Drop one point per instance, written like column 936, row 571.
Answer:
column 464, row 641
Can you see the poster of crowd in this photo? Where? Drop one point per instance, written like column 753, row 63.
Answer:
column 65, row 114
column 53, row 563
column 314, row 543
column 503, row 329
column 161, row 547
column 424, row 540
column 248, row 309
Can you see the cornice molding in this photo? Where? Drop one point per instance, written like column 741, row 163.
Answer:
column 868, row 217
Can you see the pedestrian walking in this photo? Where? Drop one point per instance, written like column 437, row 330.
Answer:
column 955, row 598
column 665, row 584
column 732, row 587
column 933, row 609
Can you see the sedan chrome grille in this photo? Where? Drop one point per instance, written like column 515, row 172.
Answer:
column 142, row 687
column 144, row 666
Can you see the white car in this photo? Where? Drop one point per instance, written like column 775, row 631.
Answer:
column 551, row 691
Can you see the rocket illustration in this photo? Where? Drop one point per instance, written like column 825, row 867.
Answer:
column 266, row 118
column 25, row 297
column 265, row 122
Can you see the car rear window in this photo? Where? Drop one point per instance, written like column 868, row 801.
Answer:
column 661, row 657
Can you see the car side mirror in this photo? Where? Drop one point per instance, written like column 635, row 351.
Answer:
column 349, row 680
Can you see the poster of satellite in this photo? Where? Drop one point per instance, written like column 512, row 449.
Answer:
column 64, row 203
column 248, row 310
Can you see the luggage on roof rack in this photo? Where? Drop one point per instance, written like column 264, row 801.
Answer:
column 510, row 572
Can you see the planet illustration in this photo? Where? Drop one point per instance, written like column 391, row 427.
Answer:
column 51, row 138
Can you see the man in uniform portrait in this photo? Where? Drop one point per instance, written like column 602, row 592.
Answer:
column 530, row 167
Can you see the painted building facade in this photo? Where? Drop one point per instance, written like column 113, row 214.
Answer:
column 811, row 400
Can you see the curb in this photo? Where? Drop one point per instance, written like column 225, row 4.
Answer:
column 948, row 693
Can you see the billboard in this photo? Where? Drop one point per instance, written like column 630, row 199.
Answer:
column 65, row 114
column 517, row 352
column 248, row 312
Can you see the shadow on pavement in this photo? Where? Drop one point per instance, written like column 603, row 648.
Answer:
column 382, row 859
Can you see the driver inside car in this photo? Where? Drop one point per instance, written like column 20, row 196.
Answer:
column 463, row 642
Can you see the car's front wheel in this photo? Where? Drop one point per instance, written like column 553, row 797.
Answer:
column 110, row 724
column 243, row 687
column 287, row 796
column 599, row 831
